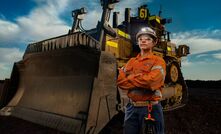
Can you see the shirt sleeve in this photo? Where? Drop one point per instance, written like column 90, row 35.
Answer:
column 153, row 80
column 123, row 82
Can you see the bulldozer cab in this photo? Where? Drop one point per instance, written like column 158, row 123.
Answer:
column 69, row 82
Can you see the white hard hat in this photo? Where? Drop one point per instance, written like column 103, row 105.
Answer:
column 148, row 31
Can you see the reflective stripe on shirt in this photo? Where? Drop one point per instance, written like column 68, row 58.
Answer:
column 160, row 68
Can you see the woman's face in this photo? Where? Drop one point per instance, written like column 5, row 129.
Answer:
column 145, row 42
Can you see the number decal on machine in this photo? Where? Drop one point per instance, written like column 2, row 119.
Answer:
column 143, row 13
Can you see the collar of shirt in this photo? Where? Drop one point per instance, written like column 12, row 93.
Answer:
column 140, row 58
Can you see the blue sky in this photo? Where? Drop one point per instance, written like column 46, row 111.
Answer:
column 195, row 23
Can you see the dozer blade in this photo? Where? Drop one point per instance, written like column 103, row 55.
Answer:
column 71, row 89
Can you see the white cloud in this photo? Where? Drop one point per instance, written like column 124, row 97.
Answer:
column 7, row 59
column 10, row 54
column 91, row 19
column 185, row 62
column 44, row 22
column 218, row 56
column 199, row 41
column 202, row 71
column 8, row 31
column 199, row 33
column 41, row 23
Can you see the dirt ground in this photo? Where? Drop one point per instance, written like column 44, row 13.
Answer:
column 202, row 115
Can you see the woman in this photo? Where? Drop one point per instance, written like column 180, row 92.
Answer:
column 143, row 77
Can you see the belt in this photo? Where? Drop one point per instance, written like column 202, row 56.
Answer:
column 143, row 103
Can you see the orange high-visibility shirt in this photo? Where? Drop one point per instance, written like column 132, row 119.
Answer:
column 143, row 73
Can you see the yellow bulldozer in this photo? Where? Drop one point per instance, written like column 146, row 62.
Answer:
column 69, row 82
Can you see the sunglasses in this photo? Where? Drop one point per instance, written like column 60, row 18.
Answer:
column 146, row 38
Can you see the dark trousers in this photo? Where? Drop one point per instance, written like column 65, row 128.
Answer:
column 134, row 119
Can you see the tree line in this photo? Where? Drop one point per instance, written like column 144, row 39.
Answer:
column 203, row 84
